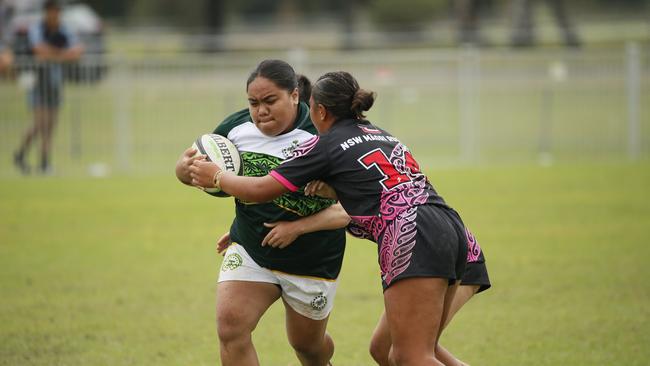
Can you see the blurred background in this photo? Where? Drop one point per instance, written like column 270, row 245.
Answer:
column 464, row 81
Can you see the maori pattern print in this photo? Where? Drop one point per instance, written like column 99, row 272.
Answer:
column 473, row 249
column 395, row 224
column 395, row 249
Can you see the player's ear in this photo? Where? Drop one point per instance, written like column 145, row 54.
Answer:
column 295, row 97
column 322, row 111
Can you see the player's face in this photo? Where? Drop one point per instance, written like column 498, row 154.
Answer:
column 273, row 109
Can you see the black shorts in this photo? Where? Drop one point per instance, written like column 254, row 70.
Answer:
column 423, row 241
column 475, row 270
column 476, row 274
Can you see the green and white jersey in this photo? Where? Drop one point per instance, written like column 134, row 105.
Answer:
column 318, row 254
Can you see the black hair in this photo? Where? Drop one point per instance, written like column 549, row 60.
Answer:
column 51, row 4
column 304, row 88
column 340, row 93
column 282, row 75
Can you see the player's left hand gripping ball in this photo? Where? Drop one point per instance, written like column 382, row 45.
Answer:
column 220, row 151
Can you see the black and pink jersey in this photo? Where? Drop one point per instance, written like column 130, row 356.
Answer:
column 374, row 175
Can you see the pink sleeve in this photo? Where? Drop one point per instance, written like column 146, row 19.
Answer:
column 283, row 181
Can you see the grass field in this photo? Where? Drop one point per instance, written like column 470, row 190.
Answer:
column 121, row 271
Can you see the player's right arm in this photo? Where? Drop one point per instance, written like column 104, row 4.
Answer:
column 223, row 243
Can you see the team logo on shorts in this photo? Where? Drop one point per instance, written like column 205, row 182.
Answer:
column 231, row 262
column 319, row 302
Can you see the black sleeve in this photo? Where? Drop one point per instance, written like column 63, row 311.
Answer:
column 309, row 161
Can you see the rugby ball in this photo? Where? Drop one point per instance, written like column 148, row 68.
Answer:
column 220, row 151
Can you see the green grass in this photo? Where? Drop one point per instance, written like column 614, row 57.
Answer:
column 122, row 271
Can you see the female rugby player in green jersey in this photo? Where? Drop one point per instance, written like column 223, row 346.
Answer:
column 253, row 276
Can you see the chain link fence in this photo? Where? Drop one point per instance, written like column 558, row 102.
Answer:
column 122, row 115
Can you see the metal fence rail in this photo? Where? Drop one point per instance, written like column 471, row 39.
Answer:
column 135, row 116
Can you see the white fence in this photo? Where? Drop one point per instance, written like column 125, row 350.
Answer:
column 135, row 115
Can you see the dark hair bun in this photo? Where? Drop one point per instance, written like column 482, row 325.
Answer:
column 304, row 88
column 362, row 101
column 339, row 92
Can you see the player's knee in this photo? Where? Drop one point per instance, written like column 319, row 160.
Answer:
column 306, row 345
column 401, row 357
column 231, row 326
column 312, row 347
column 379, row 351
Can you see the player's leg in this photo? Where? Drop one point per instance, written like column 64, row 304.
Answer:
column 463, row 294
column 240, row 305
column 309, row 338
column 442, row 354
column 244, row 293
column 380, row 342
column 414, row 312
column 308, row 302
column 417, row 294
column 474, row 279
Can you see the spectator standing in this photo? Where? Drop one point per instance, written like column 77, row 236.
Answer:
column 6, row 56
column 52, row 45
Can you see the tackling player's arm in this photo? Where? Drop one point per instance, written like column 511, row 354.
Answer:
column 285, row 232
column 251, row 189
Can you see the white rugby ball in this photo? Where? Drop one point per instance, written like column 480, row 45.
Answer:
column 220, row 151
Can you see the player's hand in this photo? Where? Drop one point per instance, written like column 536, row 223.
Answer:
column 202, row 173
column 187, row 159
column 223, row 243
column 183, row 165
column 320, row 188
column 282, row 234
